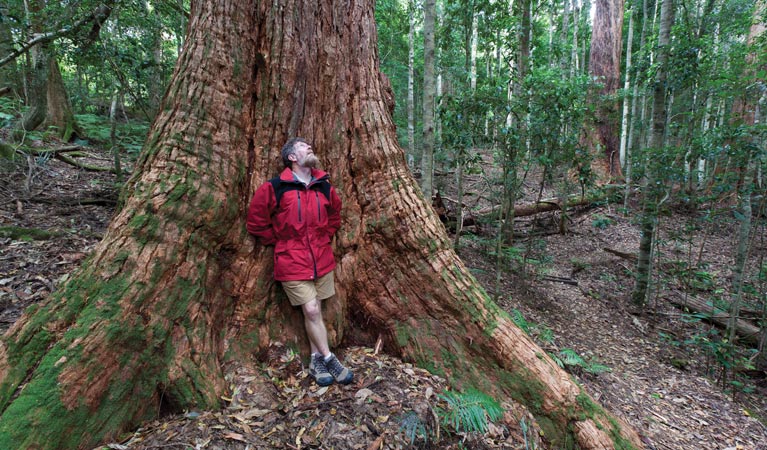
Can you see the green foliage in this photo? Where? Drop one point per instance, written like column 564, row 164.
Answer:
column 469, row 411
column 602, row 222
column 569, row 358
column 541, row 332
column 413, row 428
column 130, row 135
column 26, row 234
column 10, row 109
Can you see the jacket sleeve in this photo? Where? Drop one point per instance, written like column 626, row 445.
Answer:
column 259, row 222
column 334, row 212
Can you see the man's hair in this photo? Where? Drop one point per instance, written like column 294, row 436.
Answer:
column 289, row 149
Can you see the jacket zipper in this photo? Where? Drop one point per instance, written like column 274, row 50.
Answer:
column 319, row 210
column 299, row 205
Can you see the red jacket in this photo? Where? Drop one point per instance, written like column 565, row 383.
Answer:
column 300, row 227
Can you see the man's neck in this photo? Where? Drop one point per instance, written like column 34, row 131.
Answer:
column 303, row 173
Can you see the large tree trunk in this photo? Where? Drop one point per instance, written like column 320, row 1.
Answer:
column 177, row 287
column 59, row 113
column 605, row 66
column 48, row 101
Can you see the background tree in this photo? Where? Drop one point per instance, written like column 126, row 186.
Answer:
column 652, row 192
column 177, row 287
column 10, row 82
column 429, row 94
column 604, row 66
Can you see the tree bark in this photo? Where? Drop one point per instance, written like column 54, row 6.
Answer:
column 411, row 79
column 59, row 112
column 605, row 66
column 10, row 82
column 48, row 101
column 429, row 93
column 177, row 287
column 651, row 193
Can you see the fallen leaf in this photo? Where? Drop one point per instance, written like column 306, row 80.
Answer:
column 320, row 392
column 251, row 413
column 362, row 395
column 377, row 444
column 235, row 436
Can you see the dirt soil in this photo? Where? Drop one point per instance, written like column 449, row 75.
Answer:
column 570, row 294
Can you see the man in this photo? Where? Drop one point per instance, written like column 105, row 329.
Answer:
column 299, row 212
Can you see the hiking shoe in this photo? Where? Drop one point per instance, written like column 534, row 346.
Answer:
column 319, row 371
column 338, row 371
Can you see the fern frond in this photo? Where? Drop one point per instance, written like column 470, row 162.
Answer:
column 571, row 358
column 470, row 411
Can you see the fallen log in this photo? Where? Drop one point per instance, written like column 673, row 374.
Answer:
column 747, row 331
column 531, row 209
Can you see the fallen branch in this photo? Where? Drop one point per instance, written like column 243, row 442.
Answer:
column 51, row 151
column 88, row 167
column 569, row 281
column 746, row 330
column 627, row 256
column 106, row 199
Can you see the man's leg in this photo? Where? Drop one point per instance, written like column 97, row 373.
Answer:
column 315, row 327
column 318, row 340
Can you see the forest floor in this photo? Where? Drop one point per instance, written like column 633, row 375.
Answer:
column 569, row 292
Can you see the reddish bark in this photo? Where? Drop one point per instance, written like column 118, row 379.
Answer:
column 605, row 66
column 177, row 286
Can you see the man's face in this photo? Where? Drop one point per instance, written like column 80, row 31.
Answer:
column 305, row 155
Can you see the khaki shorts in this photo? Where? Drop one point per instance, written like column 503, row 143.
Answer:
column 302, row 292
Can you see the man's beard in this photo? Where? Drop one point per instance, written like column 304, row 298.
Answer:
column 310, row 161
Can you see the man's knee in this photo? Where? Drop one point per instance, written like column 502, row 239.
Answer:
column 312, row 310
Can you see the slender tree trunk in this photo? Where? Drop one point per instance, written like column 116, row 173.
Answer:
column 651, row 192
column 745, row 112
column 574, row 61
column 10, row 82
column 523, row 61
column 741, row 254
column 177, row 287
column 411, row 80
column 116, row 101
column 626, row 100
column 429, row 64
